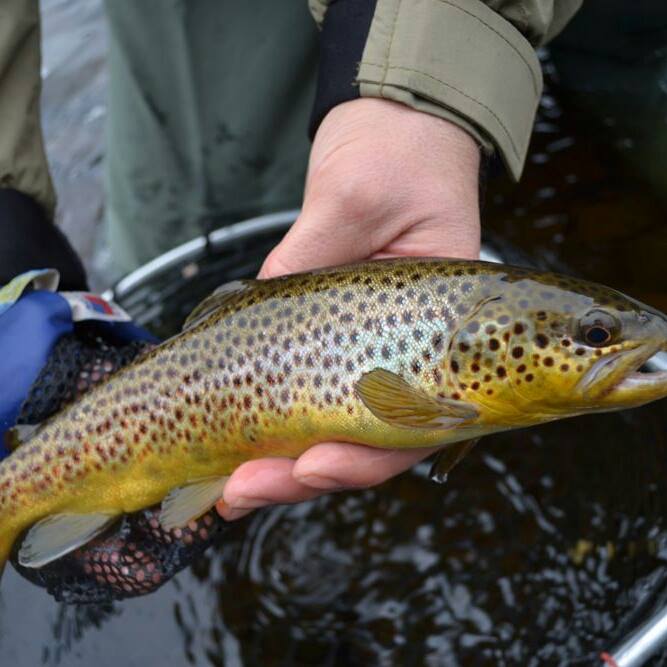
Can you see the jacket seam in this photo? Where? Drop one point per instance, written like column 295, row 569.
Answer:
column 389, row 45
column 484, row 23
column 470, row 97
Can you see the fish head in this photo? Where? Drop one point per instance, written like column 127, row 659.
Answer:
column 542, row 351
column 613, row 345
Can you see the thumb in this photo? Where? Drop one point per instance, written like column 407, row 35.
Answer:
column 319, row 237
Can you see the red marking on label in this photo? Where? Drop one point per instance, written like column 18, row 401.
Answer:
column 608, row 659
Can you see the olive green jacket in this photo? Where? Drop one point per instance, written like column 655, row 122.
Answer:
column 468, row 61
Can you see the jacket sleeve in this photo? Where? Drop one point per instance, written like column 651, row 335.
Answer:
column 23, row 164
column 471, row 62
column 28, row 237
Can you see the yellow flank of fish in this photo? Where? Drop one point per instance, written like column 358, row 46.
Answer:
column 393, row 354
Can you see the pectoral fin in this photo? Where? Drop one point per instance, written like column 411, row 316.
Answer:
column 57, row 535
column 448, row 457
column 190, row 502
column 393, row 400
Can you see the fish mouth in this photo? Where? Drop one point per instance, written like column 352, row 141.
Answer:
column 652, row 372
column 628, row 378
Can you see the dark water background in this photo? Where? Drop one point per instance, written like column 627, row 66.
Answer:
column 544, row 547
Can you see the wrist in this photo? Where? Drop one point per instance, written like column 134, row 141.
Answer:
column 383, row 160
column 397, row 127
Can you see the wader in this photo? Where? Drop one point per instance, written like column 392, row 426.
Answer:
column 209, row 103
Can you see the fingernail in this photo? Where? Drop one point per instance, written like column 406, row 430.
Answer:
column 243, row 503
column 319, row 482
column 231, row 514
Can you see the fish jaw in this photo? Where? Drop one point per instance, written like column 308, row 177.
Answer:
column 638, row 387
column 616, row 382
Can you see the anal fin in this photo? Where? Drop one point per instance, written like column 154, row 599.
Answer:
column 190, row 502
column 57, row 535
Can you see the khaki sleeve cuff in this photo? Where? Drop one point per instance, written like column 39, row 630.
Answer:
column 459, row 60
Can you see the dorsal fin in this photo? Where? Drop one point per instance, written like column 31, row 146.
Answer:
column 223, row 295
column 20, row 434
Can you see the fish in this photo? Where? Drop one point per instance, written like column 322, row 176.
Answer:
column 399, row 353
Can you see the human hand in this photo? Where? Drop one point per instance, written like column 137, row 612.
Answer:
column 383, row 181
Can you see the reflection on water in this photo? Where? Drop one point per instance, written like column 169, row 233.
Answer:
column 581, row 207
column 543, row 547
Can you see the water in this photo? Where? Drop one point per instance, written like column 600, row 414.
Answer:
column 544, row 547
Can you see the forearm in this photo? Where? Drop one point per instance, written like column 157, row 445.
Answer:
column 470, row 62
column 23, row 164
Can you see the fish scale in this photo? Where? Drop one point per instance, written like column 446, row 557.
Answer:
column 394, row 354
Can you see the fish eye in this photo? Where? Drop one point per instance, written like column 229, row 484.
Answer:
column 598, row 328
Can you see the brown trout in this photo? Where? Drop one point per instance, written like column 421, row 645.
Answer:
column 392, row 354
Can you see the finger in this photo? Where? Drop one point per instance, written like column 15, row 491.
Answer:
column 259, row 483
column 332, row 466
column 314, row 241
